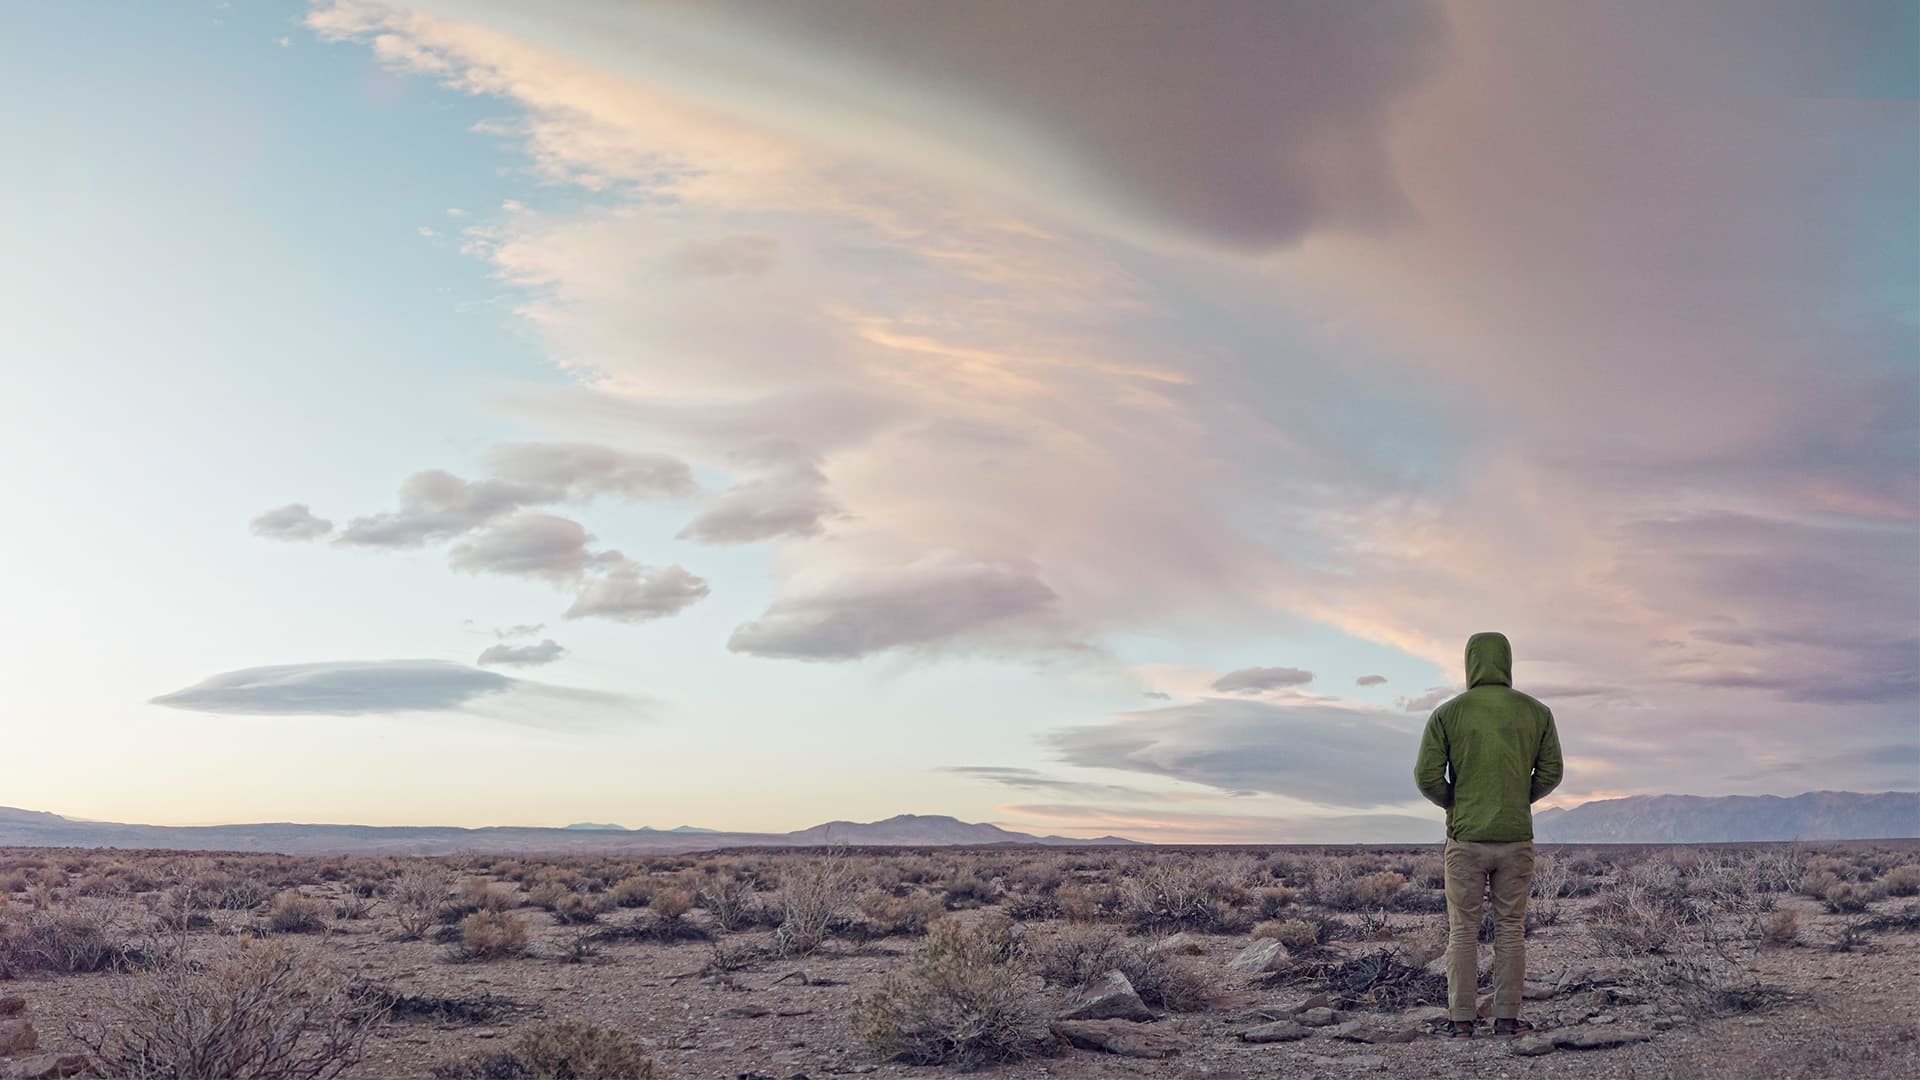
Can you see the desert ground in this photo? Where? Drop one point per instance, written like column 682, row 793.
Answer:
column 1748, row 961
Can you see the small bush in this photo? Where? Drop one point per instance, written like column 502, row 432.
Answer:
column 888, row 914
column 1378, row 890
column 732, row 902
column 969, row 997
column 419, row 895
column 633, row 892
column 73, row 941
column 1846, row 898
column 268, row 1012
column 1163, row 977
column 292, row 913
column 1075, row 955
column 813, row 896
column 1293, row 933
column 490, row 935
column 577, row 1050
column 1270, row 902
column 1902, row 880
column 1781, row 928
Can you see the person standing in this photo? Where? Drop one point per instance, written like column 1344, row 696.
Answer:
column 1486, row 757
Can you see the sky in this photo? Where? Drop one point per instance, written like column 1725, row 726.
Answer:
column 1093, row 416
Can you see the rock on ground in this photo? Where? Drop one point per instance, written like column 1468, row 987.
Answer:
column 1319, row 1017
column 1371, row 1031
column 1547, row 1042
column 49, row 1067
column 17, row 1037
column 1121, row 1037
column 1261, row 956
column 1112, row 997
column 1278, row 1031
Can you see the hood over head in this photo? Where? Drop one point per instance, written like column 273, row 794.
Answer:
column 1489, row 660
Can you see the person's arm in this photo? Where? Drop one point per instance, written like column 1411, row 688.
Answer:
column 1546, row 764
column 1430, row 767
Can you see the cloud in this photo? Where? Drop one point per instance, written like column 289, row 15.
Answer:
column 1157, row 695
column 1370, row 680
column 437, row 505
column 632, row 592
column 1033, row 780
column 937, row 602
column 539, row 546
column 789, row 502
column 1324, row 754
column 577, row 472
column 1159, row 825
column 371, row 687
column 1253, row 680
column 1428, row 701
column 508, row 633
column 344, row 688
column 727, row 256
column 291, row 522
column 546, row 652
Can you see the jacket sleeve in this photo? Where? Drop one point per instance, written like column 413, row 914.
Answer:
column 1546, row 764
column 1430, row 768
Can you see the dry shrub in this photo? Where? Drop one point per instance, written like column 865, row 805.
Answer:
column 969, row 997
column 577, row 908
column 1815, row 883
column 1781, row 928
column 633, row 892
column 490, row 935
column 1189, row 894
column 1087, row 903
column 292, row 913
column 971, row 889
column 478, row 894
column 1636, row 920
column 889, row 915
column 1902, row 881
column 732, row 902
column 1293, row 933
column 1549, row 885
column 577, row 1050
column 419, row 895
column 1077, row 954
column 73, row 940
column 269, row 1013
column 1846, row 898
column 1163, row 977
column 1378, row 890
column 1270, row 902
column 1432, row 873
column 813, row 897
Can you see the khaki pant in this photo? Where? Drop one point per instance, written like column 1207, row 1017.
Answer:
column 1473, row 871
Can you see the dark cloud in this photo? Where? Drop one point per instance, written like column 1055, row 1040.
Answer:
column 1032, row 780
column 437, row 505
column 546, row 652
column 576, row 472
column 344, row 688
column 291, row 522
column 632, row 592
column 1157, row 695
column 1253, row 680
column 929, row 603
column 1370, row 680
column 539, row 546
column 1319, row 753
column 1428, row 701
column 1248, row 128
column 728, row 256
column 791, row 502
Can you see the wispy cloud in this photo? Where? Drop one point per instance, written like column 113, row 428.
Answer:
column 545, row 652
column 1254, row 680
column 291, row 522
column 365, row 687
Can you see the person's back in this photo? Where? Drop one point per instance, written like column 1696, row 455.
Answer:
column 1487, row 756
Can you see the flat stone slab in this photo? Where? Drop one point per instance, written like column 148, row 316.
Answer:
column 1278, row 1031
column 1122, row 1037
column 1581, row 1038
column 1260, row 957
column 1319, row 1017
column 1372, row 1031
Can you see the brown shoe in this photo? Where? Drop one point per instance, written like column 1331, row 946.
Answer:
column 1507, row 1027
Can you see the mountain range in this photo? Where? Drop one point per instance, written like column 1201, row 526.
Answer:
column 34, row 828
column 1638, row 819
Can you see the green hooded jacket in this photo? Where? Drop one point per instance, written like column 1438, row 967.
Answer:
column 1489, row 754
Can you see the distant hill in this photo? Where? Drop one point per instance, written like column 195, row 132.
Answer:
column 32, row 828
column 1699, row 819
